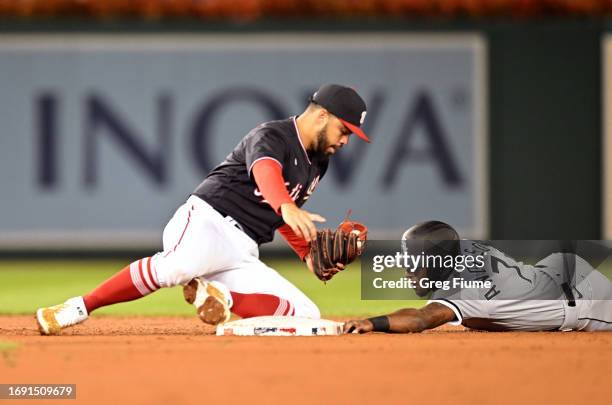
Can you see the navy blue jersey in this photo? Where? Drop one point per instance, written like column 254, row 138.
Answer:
column 231, row 189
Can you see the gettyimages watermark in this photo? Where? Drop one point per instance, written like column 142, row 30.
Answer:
column 483, row 269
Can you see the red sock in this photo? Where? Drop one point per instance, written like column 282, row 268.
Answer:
column 249, row 305
column 133, row 282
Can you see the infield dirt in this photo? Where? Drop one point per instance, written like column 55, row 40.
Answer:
column 176, row 361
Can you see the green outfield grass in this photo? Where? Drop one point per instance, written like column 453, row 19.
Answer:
column 27, row 285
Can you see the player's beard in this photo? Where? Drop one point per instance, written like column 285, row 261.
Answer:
column 322, row 144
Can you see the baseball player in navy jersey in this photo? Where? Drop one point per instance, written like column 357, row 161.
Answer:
column 561, row 292
column 210, row 245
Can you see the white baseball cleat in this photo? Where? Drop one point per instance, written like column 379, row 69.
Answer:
column 52, row 320
column 211, row 299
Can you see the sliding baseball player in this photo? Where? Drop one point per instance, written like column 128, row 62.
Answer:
column 561, row 292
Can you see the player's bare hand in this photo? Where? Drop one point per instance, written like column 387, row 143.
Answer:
column 301, row 221
column 358, row 326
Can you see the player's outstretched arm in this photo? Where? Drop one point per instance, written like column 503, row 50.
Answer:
column 407, row 320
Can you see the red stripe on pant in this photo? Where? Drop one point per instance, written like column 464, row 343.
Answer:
column 142, row 277
column 250, row 305
column 149, row 270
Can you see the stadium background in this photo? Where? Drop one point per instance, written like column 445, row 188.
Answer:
column 520, row 108
column 542, row 104
column 523, row 111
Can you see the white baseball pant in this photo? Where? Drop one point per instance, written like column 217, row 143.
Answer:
column 199, row 241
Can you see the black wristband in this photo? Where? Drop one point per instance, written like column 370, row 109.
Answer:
column 381, row 323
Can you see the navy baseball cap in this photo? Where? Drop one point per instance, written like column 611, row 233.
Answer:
column 344, row 103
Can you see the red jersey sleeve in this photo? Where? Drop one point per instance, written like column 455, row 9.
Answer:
column 299, row 245
column 268, row 176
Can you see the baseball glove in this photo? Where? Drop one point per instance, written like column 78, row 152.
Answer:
column 342, row 246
